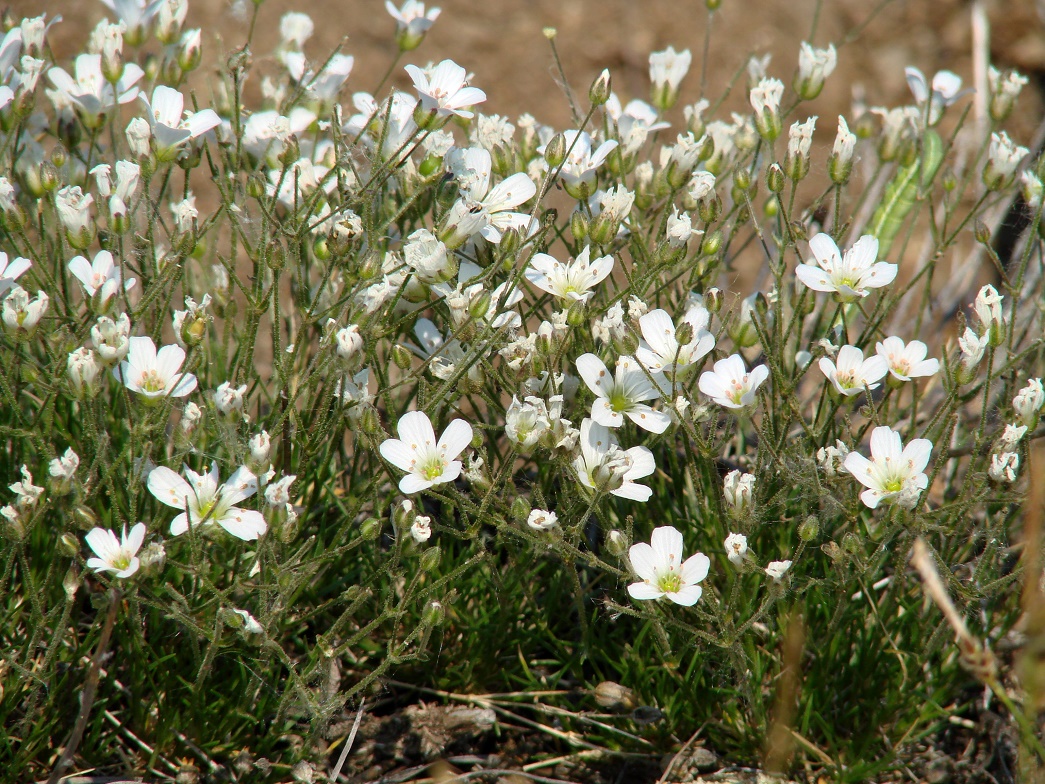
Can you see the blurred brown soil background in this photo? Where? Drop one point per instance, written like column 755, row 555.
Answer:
column 501, row 42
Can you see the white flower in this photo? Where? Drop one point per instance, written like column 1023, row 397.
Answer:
column 277, row 494
column 542, row 520
column 730, row 384
column 116, row 555
column 1003, row 157
column 416, row 451
column 907, row 361
column 1028, row 403
column 10, row 271
column 135, row 14
column 765, row 100
column 349, row 341
column 1005, row 87
column 354, row 393
column 154, row 374
column 427, row 257
column 202, row 500
column 799, row 140
column 101, row 277
column 64, row 467
column 572, row 281
column 972, row 347
column 666, row 71
column 700, row 184
column 739, row 490
column 832, row 458
column 525, row 423
column 443, row 89
column 634, row 122
column 849, row 276
column 853, row 373
column 250, row 623
column 91, row 92
column 892, row 469
column 661, row 351
column 580, row 168
column 680, row 228
column 229, row 399
column 170, row 126
column 259, row 446
column 74, row 209
column 412, row 22
column 1004, row 467
column 622, row 395
column 946, row 89
column 1011, row 437
column 663, row 572
column 295, row 28
column 841, row 162
column 736, row 549
column 603, row 465
column 83, row 371
column 814, row 66
column 20, row 314
column 421, row 529
column 111, row 338
column 777, row 569
column 25, row 491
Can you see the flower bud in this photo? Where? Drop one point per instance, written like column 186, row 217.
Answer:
column 370, row 529
column 809, row 529
column 68, row 545
column 520, row 509
column 153, row 558
column 434, row 612
column 617, row 543
column 578, row 225
column 555, row 151
column 71, row 582
column 430, row 559
column 712, row 243
column 614, row 696
column 599, row 92
column 402, row 357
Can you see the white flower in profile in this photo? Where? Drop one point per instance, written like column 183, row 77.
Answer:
column 116, row 555
column 814, row 66
column 1004, row 467
column 1003, row 157
column 946, row 88
column 250, row 623
column 663, row 573
column 667, row 69
column 135, row 14
column 10, row 271
column 730, row 384
column 849, row 276
column 100, row 278
column 1028, row 403
column 603, row 465
column 412, row 22
column 660, row 350
column 580, row 168
column 623, row 395
column 20, row 314
column 907, row 361
column 987, row 308
column 634, row 122
column 472, row 168
column 972, row 347
column 111, row 338
column 893, row 469
column 777, row 569
column 443, row 89
column 203, row 501
column 154, row 374
column 572, row 281
column 171, row 127
column 1011, row 437
column 736, row 549
column 427, row 461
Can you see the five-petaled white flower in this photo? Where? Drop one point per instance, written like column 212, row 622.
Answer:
column 853, row 373
column 416, row 451
column 153, row 373
column 170, row 129
column 90, row 91
column 730, row 384
column 101, row 277
column 848, row 276
column 661, row 351
column 623, row 395
column 663, row 573
column 443, row 89
column 603, row 465
column 907, row 361
column 116, row 555
column 412, row 22
column 894, row 472
column 202, row 500
column 572, row 281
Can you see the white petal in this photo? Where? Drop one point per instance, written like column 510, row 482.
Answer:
column 455, row 439
column 168, row 487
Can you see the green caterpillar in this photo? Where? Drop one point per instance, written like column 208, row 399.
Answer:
column 903, row 191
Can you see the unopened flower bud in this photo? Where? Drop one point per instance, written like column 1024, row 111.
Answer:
column 599, row 92
column 402, row 357
column 153, row 558
column 68, row 545
column 520, row 509
column 555, row 151
column 430, row 559
column 370, row 529
column 712, row 243
column 809, row 529
column 617, row 543
column 434, row 612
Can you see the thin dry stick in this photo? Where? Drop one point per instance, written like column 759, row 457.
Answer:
column 348, row 743
column 781, row 744
column 90, row 688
